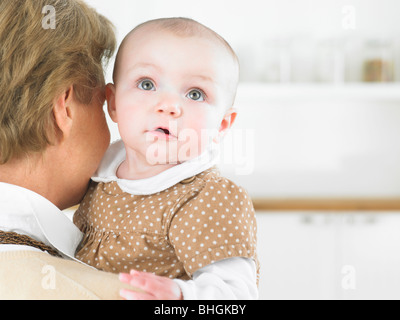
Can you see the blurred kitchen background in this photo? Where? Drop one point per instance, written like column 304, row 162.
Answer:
column 317, row 140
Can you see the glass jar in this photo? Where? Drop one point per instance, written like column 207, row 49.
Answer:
column 276, row 64
column 330, row 61
column 378, row 61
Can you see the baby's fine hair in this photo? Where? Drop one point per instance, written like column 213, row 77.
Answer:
column 186, row 27
column 182, row 27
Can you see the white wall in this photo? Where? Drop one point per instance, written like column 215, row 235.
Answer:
column 316, row 144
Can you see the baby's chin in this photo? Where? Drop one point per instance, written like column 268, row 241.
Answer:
column 171, row 157
column 170, row 160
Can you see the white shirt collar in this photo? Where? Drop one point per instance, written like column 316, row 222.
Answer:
column 26, row 212
column 116, row 154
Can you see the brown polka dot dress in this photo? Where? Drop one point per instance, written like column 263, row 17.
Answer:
column 172, row 233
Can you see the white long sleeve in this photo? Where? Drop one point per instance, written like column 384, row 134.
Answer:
column 229, row 279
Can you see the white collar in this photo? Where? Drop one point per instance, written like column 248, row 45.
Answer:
column 26, row 212
column 116, row 154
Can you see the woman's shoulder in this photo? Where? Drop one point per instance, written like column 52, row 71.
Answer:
column 42, row 276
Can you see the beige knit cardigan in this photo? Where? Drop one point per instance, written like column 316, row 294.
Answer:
column 34, row 275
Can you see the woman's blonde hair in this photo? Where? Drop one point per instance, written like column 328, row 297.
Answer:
column 38, row 64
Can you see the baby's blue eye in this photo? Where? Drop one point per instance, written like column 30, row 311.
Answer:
column 147, row 85
column 196, row 95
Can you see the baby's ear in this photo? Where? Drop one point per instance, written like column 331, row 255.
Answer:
column 110, row 96
column 226, row 123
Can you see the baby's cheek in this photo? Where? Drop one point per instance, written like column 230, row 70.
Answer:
column 193, row 142
column 126, row 128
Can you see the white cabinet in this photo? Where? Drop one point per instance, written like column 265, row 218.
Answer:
column 329, row 255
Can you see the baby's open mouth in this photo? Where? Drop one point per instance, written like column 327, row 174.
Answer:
column 163, row 133
column 162, row 130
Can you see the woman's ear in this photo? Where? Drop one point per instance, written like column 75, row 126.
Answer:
column 226, row 123
column 110, row 96
column 63, row 112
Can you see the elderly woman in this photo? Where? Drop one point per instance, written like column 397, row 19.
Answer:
column 53, row 134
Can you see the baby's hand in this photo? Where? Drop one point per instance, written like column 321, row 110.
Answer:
column 154, row 287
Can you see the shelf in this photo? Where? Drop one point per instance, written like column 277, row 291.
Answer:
column 256, row 93
column 328, row 204
column 319, row 205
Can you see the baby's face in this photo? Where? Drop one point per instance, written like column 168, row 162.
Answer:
column 172, row 95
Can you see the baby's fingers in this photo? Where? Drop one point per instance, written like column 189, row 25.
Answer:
column 142, row 280
column 156, row 287
column 132, row 295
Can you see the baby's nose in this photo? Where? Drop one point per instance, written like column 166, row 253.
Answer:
column 170, row 110
column 169, row 107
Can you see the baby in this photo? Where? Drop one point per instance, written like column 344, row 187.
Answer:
column 157, row 204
